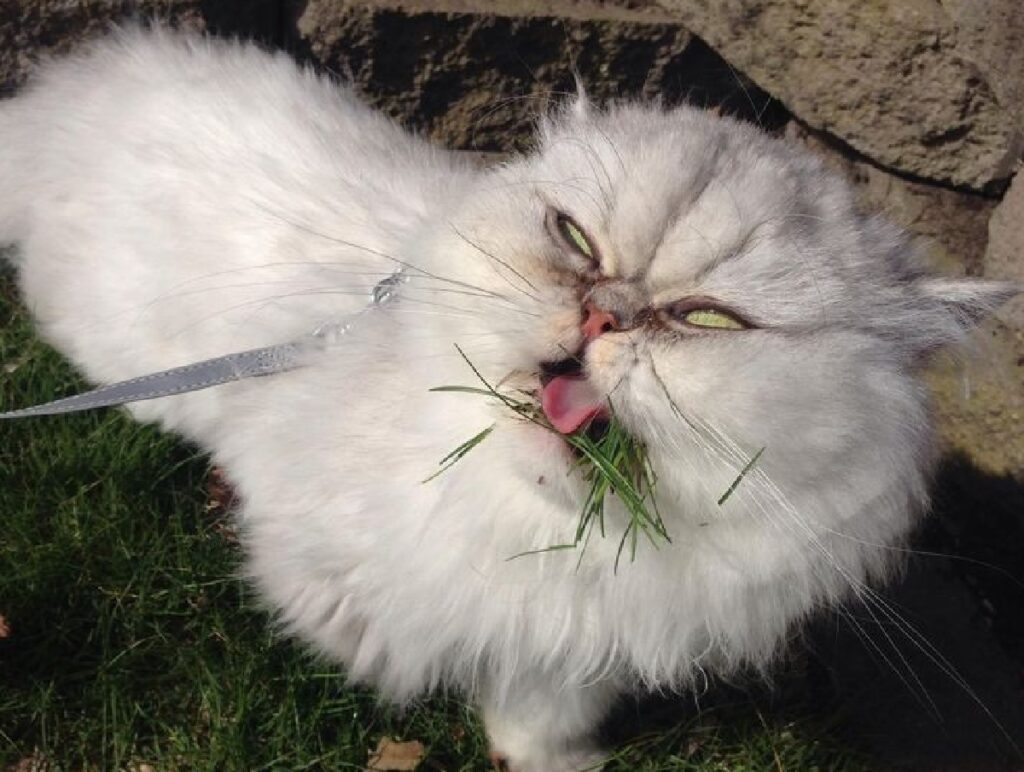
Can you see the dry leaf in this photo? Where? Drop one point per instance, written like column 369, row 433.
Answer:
column 693, row 746
column 220, row 494
column 220, row 503
column 34, row 763
column 394, row 756
column 5, row 629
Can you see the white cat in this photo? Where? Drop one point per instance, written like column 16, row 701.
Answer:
column 176, row 198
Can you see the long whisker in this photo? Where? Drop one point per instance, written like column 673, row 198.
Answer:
column 372, row 251
column 567, row 182
column 261, row 302
column 927, row 554
column 336, row 288
column 911, row 633
column 873, row 648
column 501, row 262
column 614, row 148
column 498, row 104
column 605, row 204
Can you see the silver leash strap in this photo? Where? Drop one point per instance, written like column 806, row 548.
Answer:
column 178, row 380
column 254, row 363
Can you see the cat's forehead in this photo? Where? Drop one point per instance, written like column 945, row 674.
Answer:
column 670, row 195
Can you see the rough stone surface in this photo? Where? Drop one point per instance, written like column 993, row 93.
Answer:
column 932, row 89
column 983, row 408
column 1004, row 258
column 478, row 81
column 30, row 29
column 607, row 10
column 953, row 225
column 990, row 34
column 980, row 403
column 893, row 78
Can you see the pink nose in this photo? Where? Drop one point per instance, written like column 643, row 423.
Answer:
column 597, row 321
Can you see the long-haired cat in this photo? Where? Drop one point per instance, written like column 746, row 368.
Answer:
column 714, row 289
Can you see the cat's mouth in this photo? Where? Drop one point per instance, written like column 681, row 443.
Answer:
column 570, row 402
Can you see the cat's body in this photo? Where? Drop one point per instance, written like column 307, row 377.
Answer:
column 175, row 200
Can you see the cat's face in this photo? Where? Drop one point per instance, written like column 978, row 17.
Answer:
column 720, row 291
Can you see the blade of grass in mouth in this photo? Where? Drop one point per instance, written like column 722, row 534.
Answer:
column 615, row 463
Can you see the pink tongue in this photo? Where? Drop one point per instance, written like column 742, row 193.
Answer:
column 570, row 401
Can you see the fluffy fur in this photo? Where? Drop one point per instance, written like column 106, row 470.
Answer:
column 177, row 198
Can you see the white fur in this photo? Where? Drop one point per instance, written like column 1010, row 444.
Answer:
column 177, row 198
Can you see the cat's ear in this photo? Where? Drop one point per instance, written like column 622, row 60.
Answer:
column 955, row 306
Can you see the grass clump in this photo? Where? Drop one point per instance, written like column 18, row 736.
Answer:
column 612, row 463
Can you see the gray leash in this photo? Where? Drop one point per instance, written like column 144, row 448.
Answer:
column 178, row 380
column 253, row 363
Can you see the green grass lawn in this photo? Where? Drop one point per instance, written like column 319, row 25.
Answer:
column 132, row 643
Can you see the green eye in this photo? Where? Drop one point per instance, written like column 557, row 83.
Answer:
column 574, row 235
column 711, row 318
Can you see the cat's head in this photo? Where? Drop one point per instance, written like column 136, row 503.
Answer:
column 720, row 292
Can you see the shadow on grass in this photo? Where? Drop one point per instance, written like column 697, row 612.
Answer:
column 965, row 714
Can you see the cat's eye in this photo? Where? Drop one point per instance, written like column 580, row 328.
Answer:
column 573, row 235
column 706, row 317
column 713, row 319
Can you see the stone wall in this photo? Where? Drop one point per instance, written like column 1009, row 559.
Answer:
column 920, row 103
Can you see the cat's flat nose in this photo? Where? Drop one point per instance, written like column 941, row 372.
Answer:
column 597, row 321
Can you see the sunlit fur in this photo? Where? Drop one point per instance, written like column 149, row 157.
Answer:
column 174, row 199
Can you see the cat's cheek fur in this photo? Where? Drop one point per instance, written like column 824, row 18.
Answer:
column 839, row 466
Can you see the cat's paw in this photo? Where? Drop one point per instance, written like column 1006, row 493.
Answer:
column 577, row 760
column 538, row 729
